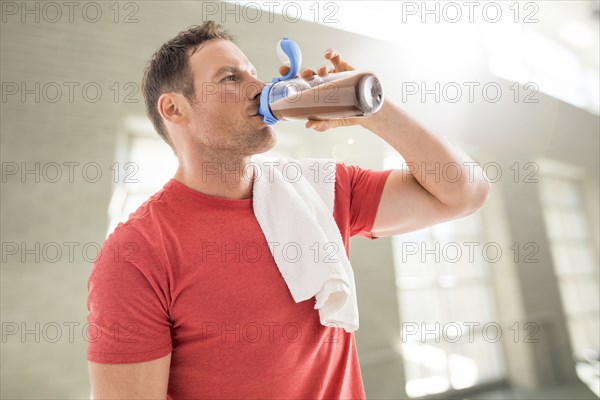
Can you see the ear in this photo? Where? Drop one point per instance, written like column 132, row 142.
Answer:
column 173, row 107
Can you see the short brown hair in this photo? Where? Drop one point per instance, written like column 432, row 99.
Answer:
column 168, row 69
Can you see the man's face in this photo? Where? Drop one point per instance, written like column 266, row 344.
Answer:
column 226, row 103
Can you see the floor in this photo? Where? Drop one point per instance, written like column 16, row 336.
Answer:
column 576, row 392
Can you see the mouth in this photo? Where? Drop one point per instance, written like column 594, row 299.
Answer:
column 255, row 109
column 258, row 117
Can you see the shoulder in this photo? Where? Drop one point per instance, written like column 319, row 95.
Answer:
column 147, row 212
column 135, row 240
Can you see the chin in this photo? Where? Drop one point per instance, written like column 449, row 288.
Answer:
column 269, row 144
column 255, row 139
column 266, row 142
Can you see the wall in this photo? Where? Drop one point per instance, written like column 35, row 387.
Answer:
column 108, row 55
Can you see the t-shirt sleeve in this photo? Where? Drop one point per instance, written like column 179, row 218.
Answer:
column 364, row 188
column 128, row 319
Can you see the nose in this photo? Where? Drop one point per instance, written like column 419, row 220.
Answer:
column 255, row 89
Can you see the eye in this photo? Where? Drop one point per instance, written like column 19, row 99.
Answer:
column 227, row 78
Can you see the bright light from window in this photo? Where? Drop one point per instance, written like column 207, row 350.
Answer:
column 436, row 297
column 554, row 69
column 146, row 163
column 463, row 371
column 577, row 34
column 575, row 263
column 442, row 37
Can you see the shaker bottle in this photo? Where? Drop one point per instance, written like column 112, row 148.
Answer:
column 338, row 95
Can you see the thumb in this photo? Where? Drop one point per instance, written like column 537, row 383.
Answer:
column 321, row 125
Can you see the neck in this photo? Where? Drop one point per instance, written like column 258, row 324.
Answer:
column 225, row 177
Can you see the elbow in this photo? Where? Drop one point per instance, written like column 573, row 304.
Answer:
column 472, row 198
column 480, row 193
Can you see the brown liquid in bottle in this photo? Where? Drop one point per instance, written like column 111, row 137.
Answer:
column 340, row 95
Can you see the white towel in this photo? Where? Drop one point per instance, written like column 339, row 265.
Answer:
column 293, row 203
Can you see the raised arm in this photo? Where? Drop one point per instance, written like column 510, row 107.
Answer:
column 439, row 182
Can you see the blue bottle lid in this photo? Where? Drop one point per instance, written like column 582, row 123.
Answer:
column 288, row 51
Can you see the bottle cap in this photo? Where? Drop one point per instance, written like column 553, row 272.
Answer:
column 288, row 52
column 369, row 94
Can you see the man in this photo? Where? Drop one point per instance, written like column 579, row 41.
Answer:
column 181, row 306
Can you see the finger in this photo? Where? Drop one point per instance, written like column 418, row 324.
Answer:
column 322, row 126
column 318, row 125
column 311, row 123
column 307, row 73
column 284, row 69
column 323, row 70
column 338, row 62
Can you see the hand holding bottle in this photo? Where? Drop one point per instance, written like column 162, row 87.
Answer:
column 339, row 65
column 328, row 98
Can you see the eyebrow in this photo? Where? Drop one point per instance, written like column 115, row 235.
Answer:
column 232, row 69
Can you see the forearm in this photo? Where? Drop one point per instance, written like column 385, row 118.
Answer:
column 440, row 167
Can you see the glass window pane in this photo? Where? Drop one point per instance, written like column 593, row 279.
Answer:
column 568, row 194
column 449, row 286
column 547, row 189
column 588, row 294
column 575, row 225
column 575, row 263
column 153, row 164
column 469, row 227
column 570, row 296
column 464, row 261
column 572, row 258
column 562, row 259
column 475, row 362
column 426, row 368
column 132, row 202
column 583, row 259
column 592, row 323
column 584, row 333
column 149, row 165
column 408, row 263
column 413, row 268
column 468, row 304
column 560, row 192
column 445, row 231
column 418, row 306
column 579, row 294
column 554, row 224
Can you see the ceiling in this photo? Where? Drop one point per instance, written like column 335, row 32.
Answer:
column 554, row 127
column 553, row 43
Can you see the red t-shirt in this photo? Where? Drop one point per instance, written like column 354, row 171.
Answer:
column 192, row 274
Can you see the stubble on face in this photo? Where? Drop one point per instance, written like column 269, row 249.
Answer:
column 221, row 126
column 227, row 136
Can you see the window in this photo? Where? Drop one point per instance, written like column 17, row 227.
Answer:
column 144, row 164
column 575, row 263
column 449, row 337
